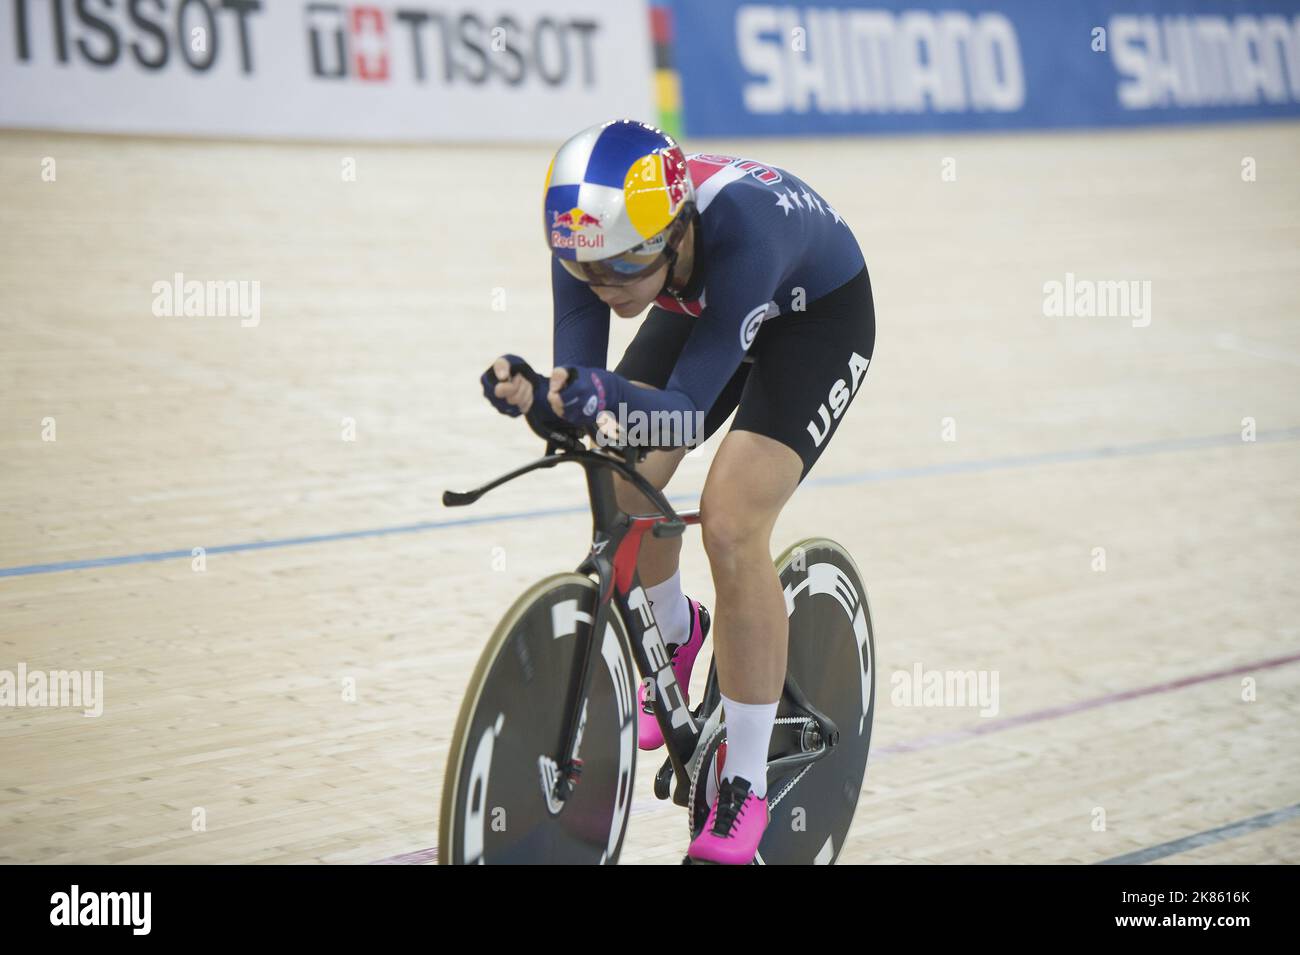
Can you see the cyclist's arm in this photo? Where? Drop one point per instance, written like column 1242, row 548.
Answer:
column 581, row 334
column 743, row 278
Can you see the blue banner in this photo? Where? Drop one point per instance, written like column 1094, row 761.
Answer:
column 839, row 66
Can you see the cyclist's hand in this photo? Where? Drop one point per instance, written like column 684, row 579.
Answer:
column 509, row 394
column 559, row 379
column 577, row 394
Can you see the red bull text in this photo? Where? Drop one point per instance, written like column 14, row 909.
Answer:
column 575, row 222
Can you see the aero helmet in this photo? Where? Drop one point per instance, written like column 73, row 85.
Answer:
column 618, row 201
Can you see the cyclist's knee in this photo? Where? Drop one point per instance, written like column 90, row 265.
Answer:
column 727, row 526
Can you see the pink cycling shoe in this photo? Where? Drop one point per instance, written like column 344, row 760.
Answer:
column 648, row 734
column 734, row 828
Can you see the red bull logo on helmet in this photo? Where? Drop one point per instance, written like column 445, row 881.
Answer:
column 575, row 220
column 569, row 230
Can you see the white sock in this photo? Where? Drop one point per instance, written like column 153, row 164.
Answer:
column 749, row 731
column 672, row 613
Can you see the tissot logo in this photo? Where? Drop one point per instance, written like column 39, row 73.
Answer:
column 198, row 33
column 362, row 42
column 75, row 907
column 448, row 46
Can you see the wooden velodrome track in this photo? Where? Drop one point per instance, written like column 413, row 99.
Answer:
column 1121, row 691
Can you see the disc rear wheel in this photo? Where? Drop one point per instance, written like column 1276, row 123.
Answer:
column 832, row 660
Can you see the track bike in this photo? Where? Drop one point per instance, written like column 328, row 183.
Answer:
column 543, row 757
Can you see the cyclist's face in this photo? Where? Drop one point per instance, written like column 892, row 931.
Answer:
column 629, row 301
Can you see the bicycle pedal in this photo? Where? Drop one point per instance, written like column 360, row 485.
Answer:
column 664, row 779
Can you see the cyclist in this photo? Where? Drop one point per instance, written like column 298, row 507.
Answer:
column 761, row 305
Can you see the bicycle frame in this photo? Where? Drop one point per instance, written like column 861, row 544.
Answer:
column 615, row 547
column 616, row 544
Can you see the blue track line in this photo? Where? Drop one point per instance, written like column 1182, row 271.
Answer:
column 1207, row 838
column 976, row 466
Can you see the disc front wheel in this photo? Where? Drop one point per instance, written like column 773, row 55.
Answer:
column 498, row 804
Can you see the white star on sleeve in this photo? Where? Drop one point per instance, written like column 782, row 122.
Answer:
column 813, row 202
column 783, row 202
column 795, row 196
column 832, row 211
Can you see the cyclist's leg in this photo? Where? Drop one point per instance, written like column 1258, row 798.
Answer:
column 749, row 483
column 649, row 360
column 808, row 366
column 682, row 623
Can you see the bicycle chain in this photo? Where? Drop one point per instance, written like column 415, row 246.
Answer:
column 695, row 779
column 781, row 795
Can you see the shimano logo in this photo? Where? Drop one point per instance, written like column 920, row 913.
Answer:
column 878, row 61
column 1205, row 60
